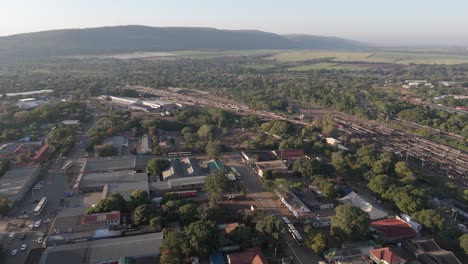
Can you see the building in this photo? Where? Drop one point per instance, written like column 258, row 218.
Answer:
column 249, row 256
column 289, row 154
column 385, row 256
column 392, row 230
column 298, row 208
column 336, row 143
column 12, row 150
column 106, row 164
column 158, row 104
column 356, row 200
column 146, row 145
column 427, row 251
column 227, row 229
column 124, row 100
column 275, row 166
column 215, row 164
column 184, row 168
column 350, row 251
column 30, row 103
column 17, row 181
column 29, row 93
column 177, row 184
column 251, row 157
column 73, row 122
column 118, row 142
column 104, row 250
column 42, row 155
column 123, row 182
column 321, row 221
column 110, row 218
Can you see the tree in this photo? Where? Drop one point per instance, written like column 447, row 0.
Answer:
column 270, row 226
column 338, row 161
column 157, row 166
column 380, row 184
column 156, row 222
column 114, row 202
column 215, row 184
column 404, row 171
column 206, row 132
column 188, row 213
column 242, row 236
column 143, row 214
column 464, row 242
column 350, row 223
column 213, row 148
column 306, row 167
column 317, row 241
column 107, row 151
column 170, row 257
column 410, row 199
column 139, row 197
column 178, row 242
column 430, row 219
column 202, row 237
column 4, row 207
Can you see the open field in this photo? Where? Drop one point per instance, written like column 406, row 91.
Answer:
column 372, row 57
column 329, row 66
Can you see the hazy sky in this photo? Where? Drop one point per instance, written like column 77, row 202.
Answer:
column 390, row 22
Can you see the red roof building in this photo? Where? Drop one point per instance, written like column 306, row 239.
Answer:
column 393, row 230
column 42, row 155
column 111, row 218
column 385, row 256
column 249, row 256
column 289, row 154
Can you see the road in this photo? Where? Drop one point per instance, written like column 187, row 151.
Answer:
column 269, row 203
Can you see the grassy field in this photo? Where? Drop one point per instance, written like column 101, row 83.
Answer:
column 376, row 57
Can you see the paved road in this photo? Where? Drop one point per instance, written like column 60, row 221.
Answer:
column 267, row 201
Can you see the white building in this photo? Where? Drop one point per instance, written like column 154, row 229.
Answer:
column 124, row 100
column 158, row 104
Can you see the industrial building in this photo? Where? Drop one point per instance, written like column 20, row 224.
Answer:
column 17, row 182
column 177, row 184
column 123, row 182
column 105, row 250
column 184, row 168
column 110, row 164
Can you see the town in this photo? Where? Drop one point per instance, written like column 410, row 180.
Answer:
column 167, row 177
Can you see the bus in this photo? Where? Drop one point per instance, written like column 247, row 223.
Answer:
column 293, row 231
column 40, row 206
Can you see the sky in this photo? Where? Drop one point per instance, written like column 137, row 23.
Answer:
column 380, row 22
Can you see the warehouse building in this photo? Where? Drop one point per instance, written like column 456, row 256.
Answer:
column 17, row 182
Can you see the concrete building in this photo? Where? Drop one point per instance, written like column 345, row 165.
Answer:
column 107, row 164
column 184, row 168
column 275, row 166
column 17, row 182
column 30, row 104
column 356, row 200
column 123, row 182
column 29, row 93
column 118, row 142
column 105, row 250
column 14, row 149
column 124, row 100
column 385, row 256
column 146, row 145
column 158, row 104
column 248, row 256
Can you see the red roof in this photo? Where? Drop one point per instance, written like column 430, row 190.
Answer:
column 43, row 150
column 386, row 254
column 249, row 256
column 394, row 229
column 289, row 154
column 94, row 218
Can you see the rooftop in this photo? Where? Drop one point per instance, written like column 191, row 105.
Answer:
column 249, row 256
column 123, row 182
column 104, row 251
column 387, row 255
column 393, row 229
column 215, row 164
column 71, row 122
column 15, row 180
column 289, row 154
column 428, row 251
column 357, row 201
column 271, row 165
column 110, row 164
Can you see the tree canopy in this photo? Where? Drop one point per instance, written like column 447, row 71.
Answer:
column 350, row 223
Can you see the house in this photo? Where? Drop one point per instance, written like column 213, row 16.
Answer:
column 350, row 251
column 146, row 145
column 275, row 166
column 336, row 143
column 42, row 155
column 385, row 256
column 427, row 251
column 289, row 154
column 356, row 200
column 392, row 230
column 298, row 208
column 251, row 156
column 249, row 256
column 110, row 218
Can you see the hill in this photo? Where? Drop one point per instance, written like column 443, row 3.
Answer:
column 124, row 39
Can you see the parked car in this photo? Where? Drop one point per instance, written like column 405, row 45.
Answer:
column 13, row 252
column 11, row 236
column 38, row 223
column 39, row 240
column 30, row 227
column 23, row 247
column 47, row 220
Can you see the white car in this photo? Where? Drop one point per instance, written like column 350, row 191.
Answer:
column 39, row 240
column 11, row 236
column 47, row 220
column 30, row 227
column 23, row 247
column 38, row 223
column 13, row 252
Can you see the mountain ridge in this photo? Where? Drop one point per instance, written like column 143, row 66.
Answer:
column 133, row 38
